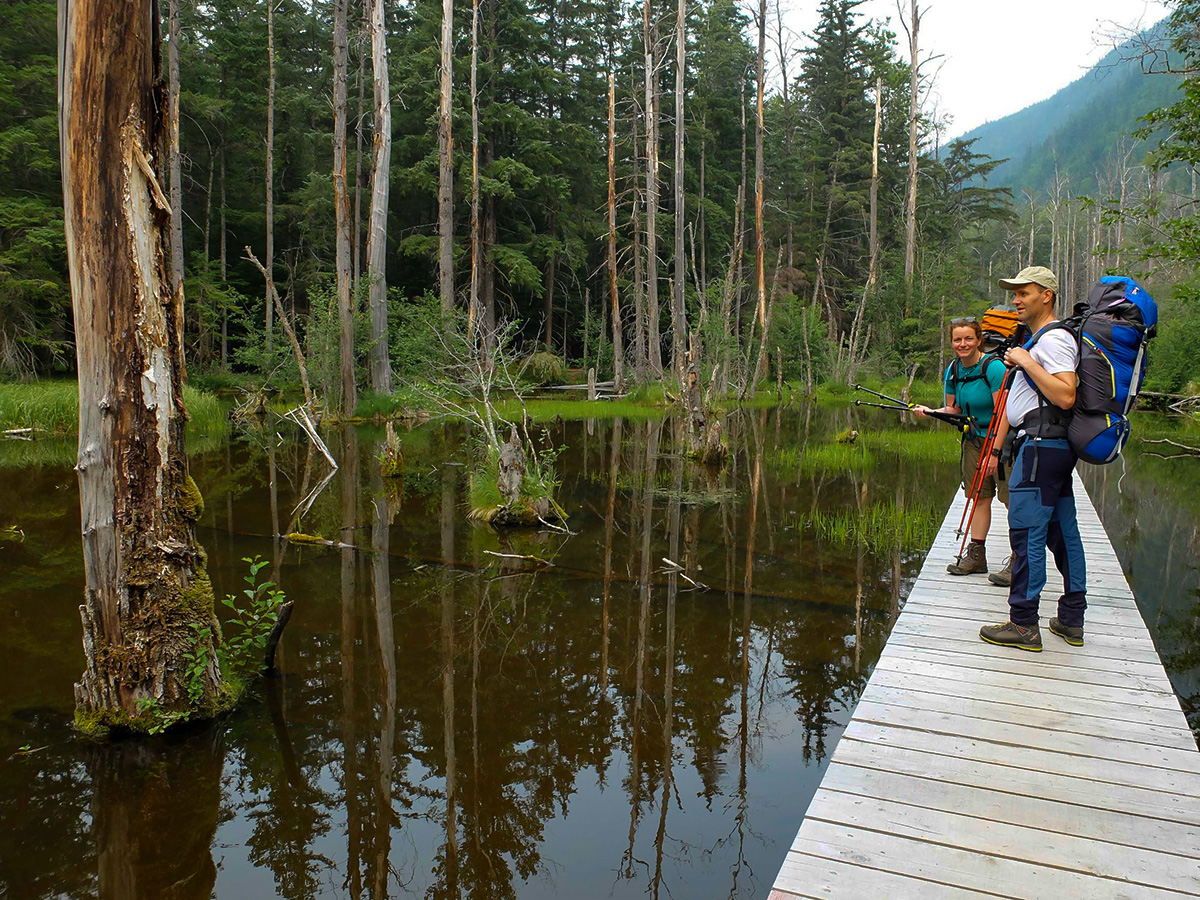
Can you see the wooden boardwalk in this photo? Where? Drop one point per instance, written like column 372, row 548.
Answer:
column 970, row 770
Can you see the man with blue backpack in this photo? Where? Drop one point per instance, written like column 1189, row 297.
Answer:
column 1041, row 511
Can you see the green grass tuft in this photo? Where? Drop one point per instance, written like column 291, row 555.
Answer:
column 820, row 459
column 880, row 528
column 941, row 445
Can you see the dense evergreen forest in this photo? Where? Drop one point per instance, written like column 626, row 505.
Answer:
column 786, row 240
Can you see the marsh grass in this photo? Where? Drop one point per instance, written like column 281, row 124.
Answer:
column 545, row 410
column 53, row 406
column 820, row 459
column 941, row 445
column 880, row 528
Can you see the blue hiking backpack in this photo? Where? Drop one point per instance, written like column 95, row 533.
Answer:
column 1112, row 329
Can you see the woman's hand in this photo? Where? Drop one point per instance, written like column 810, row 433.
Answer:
column 921, row 410
column 989, row 467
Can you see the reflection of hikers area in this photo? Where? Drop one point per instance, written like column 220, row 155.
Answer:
column 965, row 767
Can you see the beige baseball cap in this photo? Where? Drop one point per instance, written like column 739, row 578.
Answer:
column 1031, row 275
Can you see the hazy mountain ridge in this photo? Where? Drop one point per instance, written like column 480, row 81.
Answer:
column 1079, row 127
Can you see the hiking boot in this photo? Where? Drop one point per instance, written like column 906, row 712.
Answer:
column 1003, row 578
column 1013, row 635
column 974, row 562
column 1072, row 634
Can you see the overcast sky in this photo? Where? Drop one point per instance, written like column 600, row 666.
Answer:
column 999, row 57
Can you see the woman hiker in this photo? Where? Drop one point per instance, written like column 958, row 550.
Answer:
column 972, row 382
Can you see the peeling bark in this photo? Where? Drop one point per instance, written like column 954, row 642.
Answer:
column 146, row 584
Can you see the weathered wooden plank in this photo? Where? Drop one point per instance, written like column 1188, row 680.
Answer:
column 1057, row 721
column 1012, row 803
column 1036, row 759
column 983, row 872
column 1062, row 742
column 967, row 631
column 1146, row 803
column 1098, row 622
column 1051, row 663
column 1034, row 689
column 991, row 838
column 824, row 875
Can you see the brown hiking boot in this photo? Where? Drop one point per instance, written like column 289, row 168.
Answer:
column 973, row 563
column 1072, row 634
column 1003, row 578
column 1012, row 635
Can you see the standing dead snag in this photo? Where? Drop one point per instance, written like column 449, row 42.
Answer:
column 148, row 603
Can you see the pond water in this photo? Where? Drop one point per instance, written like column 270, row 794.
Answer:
column 642, row 707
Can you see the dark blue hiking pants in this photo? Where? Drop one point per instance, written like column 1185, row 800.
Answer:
column 1041, row 514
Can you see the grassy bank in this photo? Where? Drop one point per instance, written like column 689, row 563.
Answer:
column 53, row 407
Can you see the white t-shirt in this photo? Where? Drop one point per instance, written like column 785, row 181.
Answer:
column 1055, row 351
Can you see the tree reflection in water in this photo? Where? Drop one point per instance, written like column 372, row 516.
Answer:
column 447, row 720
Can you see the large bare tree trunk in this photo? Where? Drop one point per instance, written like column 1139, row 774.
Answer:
column 356, row 264
column 618, row 344
column 759, row 240
column 381, row 368
column 653, row 342
column 910, row 205
column 640, row 359
column 269, row 256
column 873, row 271
column 173, row 156
column 146, row 584
column 446, row 165
column 679, row 328
column 341, row 202
column 222, row 266
column 473, row 300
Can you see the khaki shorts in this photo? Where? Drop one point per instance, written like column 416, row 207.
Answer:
column 971, row 448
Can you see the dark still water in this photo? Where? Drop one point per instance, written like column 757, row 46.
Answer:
column 642, row 707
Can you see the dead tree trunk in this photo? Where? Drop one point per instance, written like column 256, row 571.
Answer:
column 473, row 300
column 341, row 202
column 873, row 271
column 381, row 367
column 146, row 584
column 356, row 264
column 222, row 267
column 679, row 329
column 910, row 206
column 446, row 165
column 618, row 344
column 269, row 255
column 173, row 157
column 650, row 38
column 759, row 241
column 640, row 350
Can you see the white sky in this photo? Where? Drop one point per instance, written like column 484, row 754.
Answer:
column 1000, row 56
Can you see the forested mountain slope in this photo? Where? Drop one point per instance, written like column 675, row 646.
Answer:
column 1079, row 127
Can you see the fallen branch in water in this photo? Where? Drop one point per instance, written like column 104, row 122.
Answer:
column 1188, row 449
column 297, row 538
column 285, row 613
column 675, row 568
column 535, row 559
